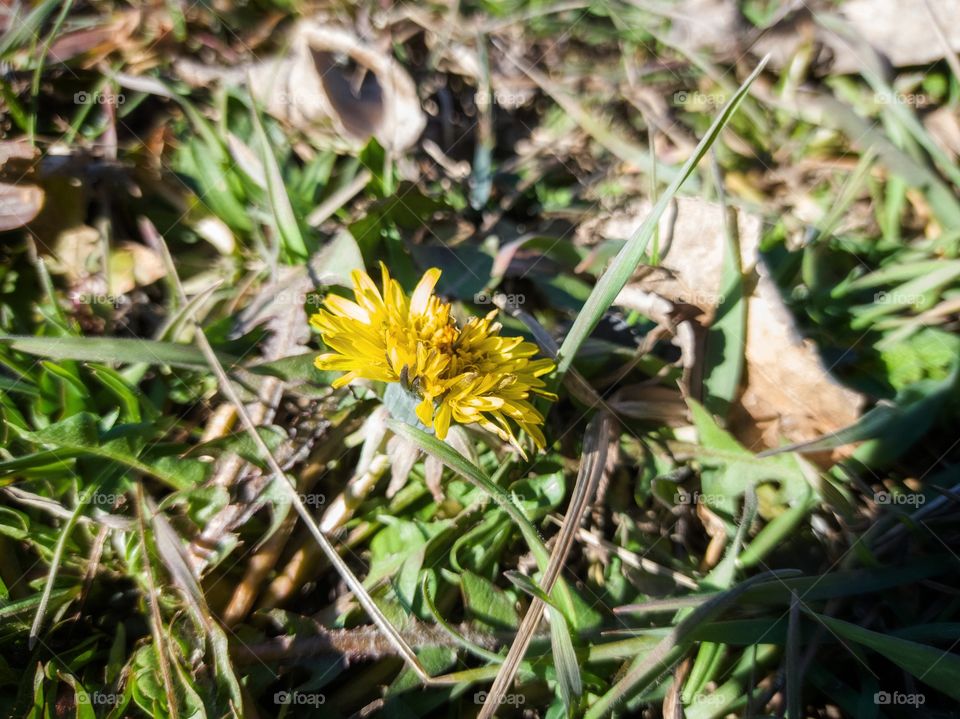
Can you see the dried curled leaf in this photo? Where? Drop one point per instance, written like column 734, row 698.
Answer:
column 788, row 391
column 340, row 102
column 20, row 199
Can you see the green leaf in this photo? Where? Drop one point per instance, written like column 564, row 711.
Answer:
column 726, row 336
column 475, row 476
column 564, row 659
column 487, row 604
column 728, row 468
column 402, row 406
column 398, row 543
column 337, row 259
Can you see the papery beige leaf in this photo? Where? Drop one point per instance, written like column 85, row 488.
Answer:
column 788, row 391
column 943, row 124
column 134, row 265
column 901, row 30
column 20, row 199
column 691, row 249
column 340, row 104
column 19, row 204
column 433, row 472
column 77, row 253
column 403, row 455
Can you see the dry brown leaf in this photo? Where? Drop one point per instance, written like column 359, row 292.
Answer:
column 95, row 43
column 787, row 392
column 134, row 265
column 901, row 30
column 20, row 199
column 336, row 89
column 369, row 96
column 943, row 125
column 19, row 204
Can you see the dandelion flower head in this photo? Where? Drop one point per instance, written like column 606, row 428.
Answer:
column 469, row 374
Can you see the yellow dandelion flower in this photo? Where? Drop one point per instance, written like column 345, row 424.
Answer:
column 468, row 375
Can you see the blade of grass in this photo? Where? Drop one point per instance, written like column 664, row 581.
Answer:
column 110, row 349
column 153, row 601
column 592, row 469
column 56, row 559
column 290, row 237
column 872, row 69
column 172, row 554
column 930, row 665
column 794, row 672
column 626, row 261
column 722, row 576
column 22, row 29
column 647, row 667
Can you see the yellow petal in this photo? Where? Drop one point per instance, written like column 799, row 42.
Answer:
column 344, row 381
column 338, row 305
column 425, row 412
column 441, row 422
column 421, row 295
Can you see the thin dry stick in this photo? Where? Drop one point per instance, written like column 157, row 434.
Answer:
column 634, row 560
column 338, row 199
column 597, row 442
column 366, row 601
column 156, row 620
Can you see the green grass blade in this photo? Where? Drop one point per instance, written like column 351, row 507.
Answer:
column 650, row 665
column 109, row 350
column 291, row 238
column 930, row 665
